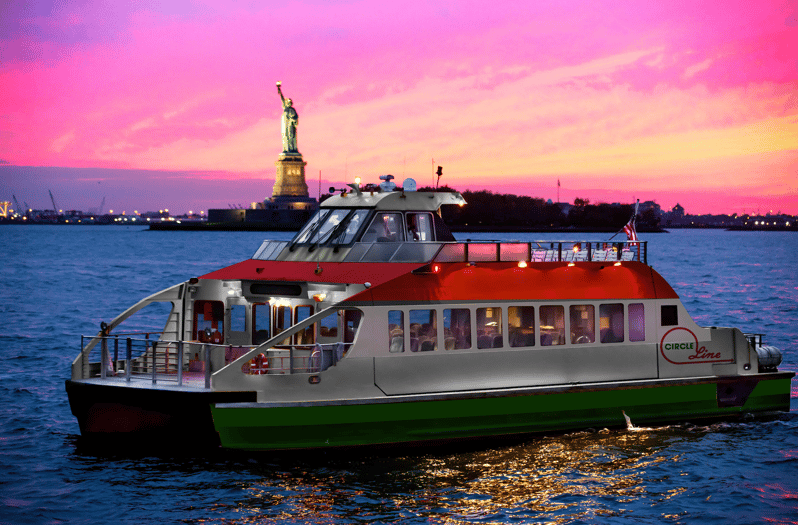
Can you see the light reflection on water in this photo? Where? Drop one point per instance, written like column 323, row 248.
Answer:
column 583, row 477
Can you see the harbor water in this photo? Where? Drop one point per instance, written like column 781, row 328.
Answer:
column 61, row 281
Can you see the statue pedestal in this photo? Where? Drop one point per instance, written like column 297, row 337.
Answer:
column 290, row 181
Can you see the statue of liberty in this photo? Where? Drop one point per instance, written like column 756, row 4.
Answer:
column 290, row 121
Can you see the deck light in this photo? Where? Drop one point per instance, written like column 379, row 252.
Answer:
column 522, row 264
column 319, row 297
column 617, row 264
column 571, row 264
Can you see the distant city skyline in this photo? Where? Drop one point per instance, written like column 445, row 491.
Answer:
column 144, row 190
column 155, row 105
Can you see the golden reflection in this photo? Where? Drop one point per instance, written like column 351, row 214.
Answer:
column 580, row 476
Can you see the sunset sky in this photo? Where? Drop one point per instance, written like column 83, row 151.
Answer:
column 173, row 104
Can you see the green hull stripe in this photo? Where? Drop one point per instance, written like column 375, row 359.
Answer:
column 256, row 428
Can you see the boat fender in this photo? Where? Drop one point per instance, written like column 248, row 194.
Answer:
column 769, row 358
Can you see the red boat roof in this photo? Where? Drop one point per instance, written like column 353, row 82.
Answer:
column 305, row 271
column 558, row 281
column 459, row 282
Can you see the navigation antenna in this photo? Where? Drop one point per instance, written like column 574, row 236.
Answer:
column 318, row 220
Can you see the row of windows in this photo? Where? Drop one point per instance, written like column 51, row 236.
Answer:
column 268, row 320
column 524, row 328
column 341, row 226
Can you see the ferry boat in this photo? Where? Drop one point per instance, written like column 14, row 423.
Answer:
column 375, row 326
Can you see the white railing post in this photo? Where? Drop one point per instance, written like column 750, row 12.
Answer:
column 128, row 358
column 154, row 361
column 180, row 363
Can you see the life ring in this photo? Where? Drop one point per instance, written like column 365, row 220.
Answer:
column 261, row 365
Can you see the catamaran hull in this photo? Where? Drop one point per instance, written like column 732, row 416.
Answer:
column 112, row 412
column 301, row 425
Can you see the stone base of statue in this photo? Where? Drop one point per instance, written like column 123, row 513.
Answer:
column 290, row 181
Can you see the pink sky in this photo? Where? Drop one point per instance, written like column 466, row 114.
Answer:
column 173, row 104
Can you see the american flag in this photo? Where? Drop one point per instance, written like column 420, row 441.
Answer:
column 629, row 229
column 631, row 233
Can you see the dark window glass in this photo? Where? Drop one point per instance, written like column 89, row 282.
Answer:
column 521, row 321
column 306, row 336
column 261, row 323
column 279, row 289
column 670, row 316
column 457, row 328
column 611, row 323
column 489, row 328
column 209, row 315
column 396, row 331
column 637, row 322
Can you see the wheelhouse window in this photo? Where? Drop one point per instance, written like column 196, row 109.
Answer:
column 552, row 325
column 489, row 328
column 611, row 323
column 396, row 331
column 457, row 328
column 637, row 322
column 419, row 227
column 208, row 315
column 353, row 225
column 261, row 323
column 385, row 227
column 328, row 227
column 521, row 325
column 670, row 315
column 304, row 234
column 583, row 324
column 423, row 331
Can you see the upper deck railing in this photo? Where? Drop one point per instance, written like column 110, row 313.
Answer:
column 191, row 363
column 479, row 251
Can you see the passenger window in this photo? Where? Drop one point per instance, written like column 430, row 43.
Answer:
column 351, row 324
column 261, row 325
column 637, row 322
column 238, row 318
column 552, row 325
column 489, row 328
column 282, row 321
column 209, row 314
column 583, row 324
column 611, row 323
column 423, row 331
column 419, row 227
column 521, row 321
column 457, row 328
column 396, row 331
column 328, row 327
column 306, row 336
column 670, row 316
column 385, row 227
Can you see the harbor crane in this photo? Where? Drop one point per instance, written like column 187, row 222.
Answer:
column 18, row 208
column 52, row 199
